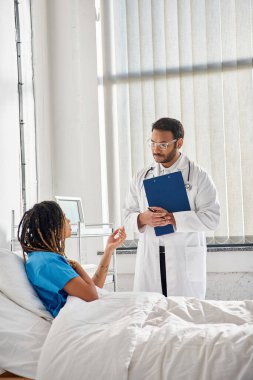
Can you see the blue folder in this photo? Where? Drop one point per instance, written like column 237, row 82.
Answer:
column 167, row 191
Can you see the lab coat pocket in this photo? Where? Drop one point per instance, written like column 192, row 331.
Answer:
column 195, row 263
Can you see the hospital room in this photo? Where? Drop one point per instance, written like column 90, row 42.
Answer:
column 126, row 223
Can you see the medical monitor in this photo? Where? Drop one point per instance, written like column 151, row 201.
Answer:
column 72, row 208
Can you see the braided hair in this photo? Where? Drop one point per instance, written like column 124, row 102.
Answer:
column 42, row 229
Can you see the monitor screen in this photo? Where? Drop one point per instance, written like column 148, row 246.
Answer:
column 72, row 208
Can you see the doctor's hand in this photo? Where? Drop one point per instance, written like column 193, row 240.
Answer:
column 168, row 218
column 157, row 217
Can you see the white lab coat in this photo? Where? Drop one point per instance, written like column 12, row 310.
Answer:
column 185, row 250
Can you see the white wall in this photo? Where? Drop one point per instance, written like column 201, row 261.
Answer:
column 10, row 195
column 67, row 102
column 66, row 94
column 75, row 140
column 42, row 96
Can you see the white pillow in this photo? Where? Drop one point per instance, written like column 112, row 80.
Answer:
column 16, row 286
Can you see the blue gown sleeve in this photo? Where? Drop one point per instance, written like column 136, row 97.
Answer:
column 55, row 274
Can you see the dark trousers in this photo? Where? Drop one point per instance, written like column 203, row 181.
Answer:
column 163, row 270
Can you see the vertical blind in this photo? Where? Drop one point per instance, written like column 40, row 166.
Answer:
column 190, row 60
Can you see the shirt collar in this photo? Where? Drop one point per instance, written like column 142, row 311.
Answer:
column 172, row 168
column 181, row 164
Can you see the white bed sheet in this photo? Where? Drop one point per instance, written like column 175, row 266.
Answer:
column 146, row 336
column 22, row 334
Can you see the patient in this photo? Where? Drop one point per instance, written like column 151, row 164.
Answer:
column 42, row 233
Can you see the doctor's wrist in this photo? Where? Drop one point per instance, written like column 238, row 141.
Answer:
column 140, row 221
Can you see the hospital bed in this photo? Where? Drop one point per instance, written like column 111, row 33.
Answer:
column 121, row 335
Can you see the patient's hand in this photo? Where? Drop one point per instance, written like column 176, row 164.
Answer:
column 113, row 242
column 116, row 239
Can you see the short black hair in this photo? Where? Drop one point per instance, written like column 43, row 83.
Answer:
column 169, row 124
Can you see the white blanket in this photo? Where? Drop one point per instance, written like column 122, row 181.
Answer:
column 146, row 336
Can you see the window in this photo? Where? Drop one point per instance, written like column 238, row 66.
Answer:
column 191, row 60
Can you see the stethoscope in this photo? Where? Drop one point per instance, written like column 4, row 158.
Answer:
column 187, row 185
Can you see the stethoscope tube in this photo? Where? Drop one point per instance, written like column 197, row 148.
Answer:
column 187, row 185
column 149, row 170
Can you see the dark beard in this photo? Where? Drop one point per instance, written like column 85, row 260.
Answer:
column 170, row 156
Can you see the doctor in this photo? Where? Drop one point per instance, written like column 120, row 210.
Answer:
column 172, row 264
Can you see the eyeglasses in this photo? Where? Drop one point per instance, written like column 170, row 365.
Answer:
column 162, row 145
